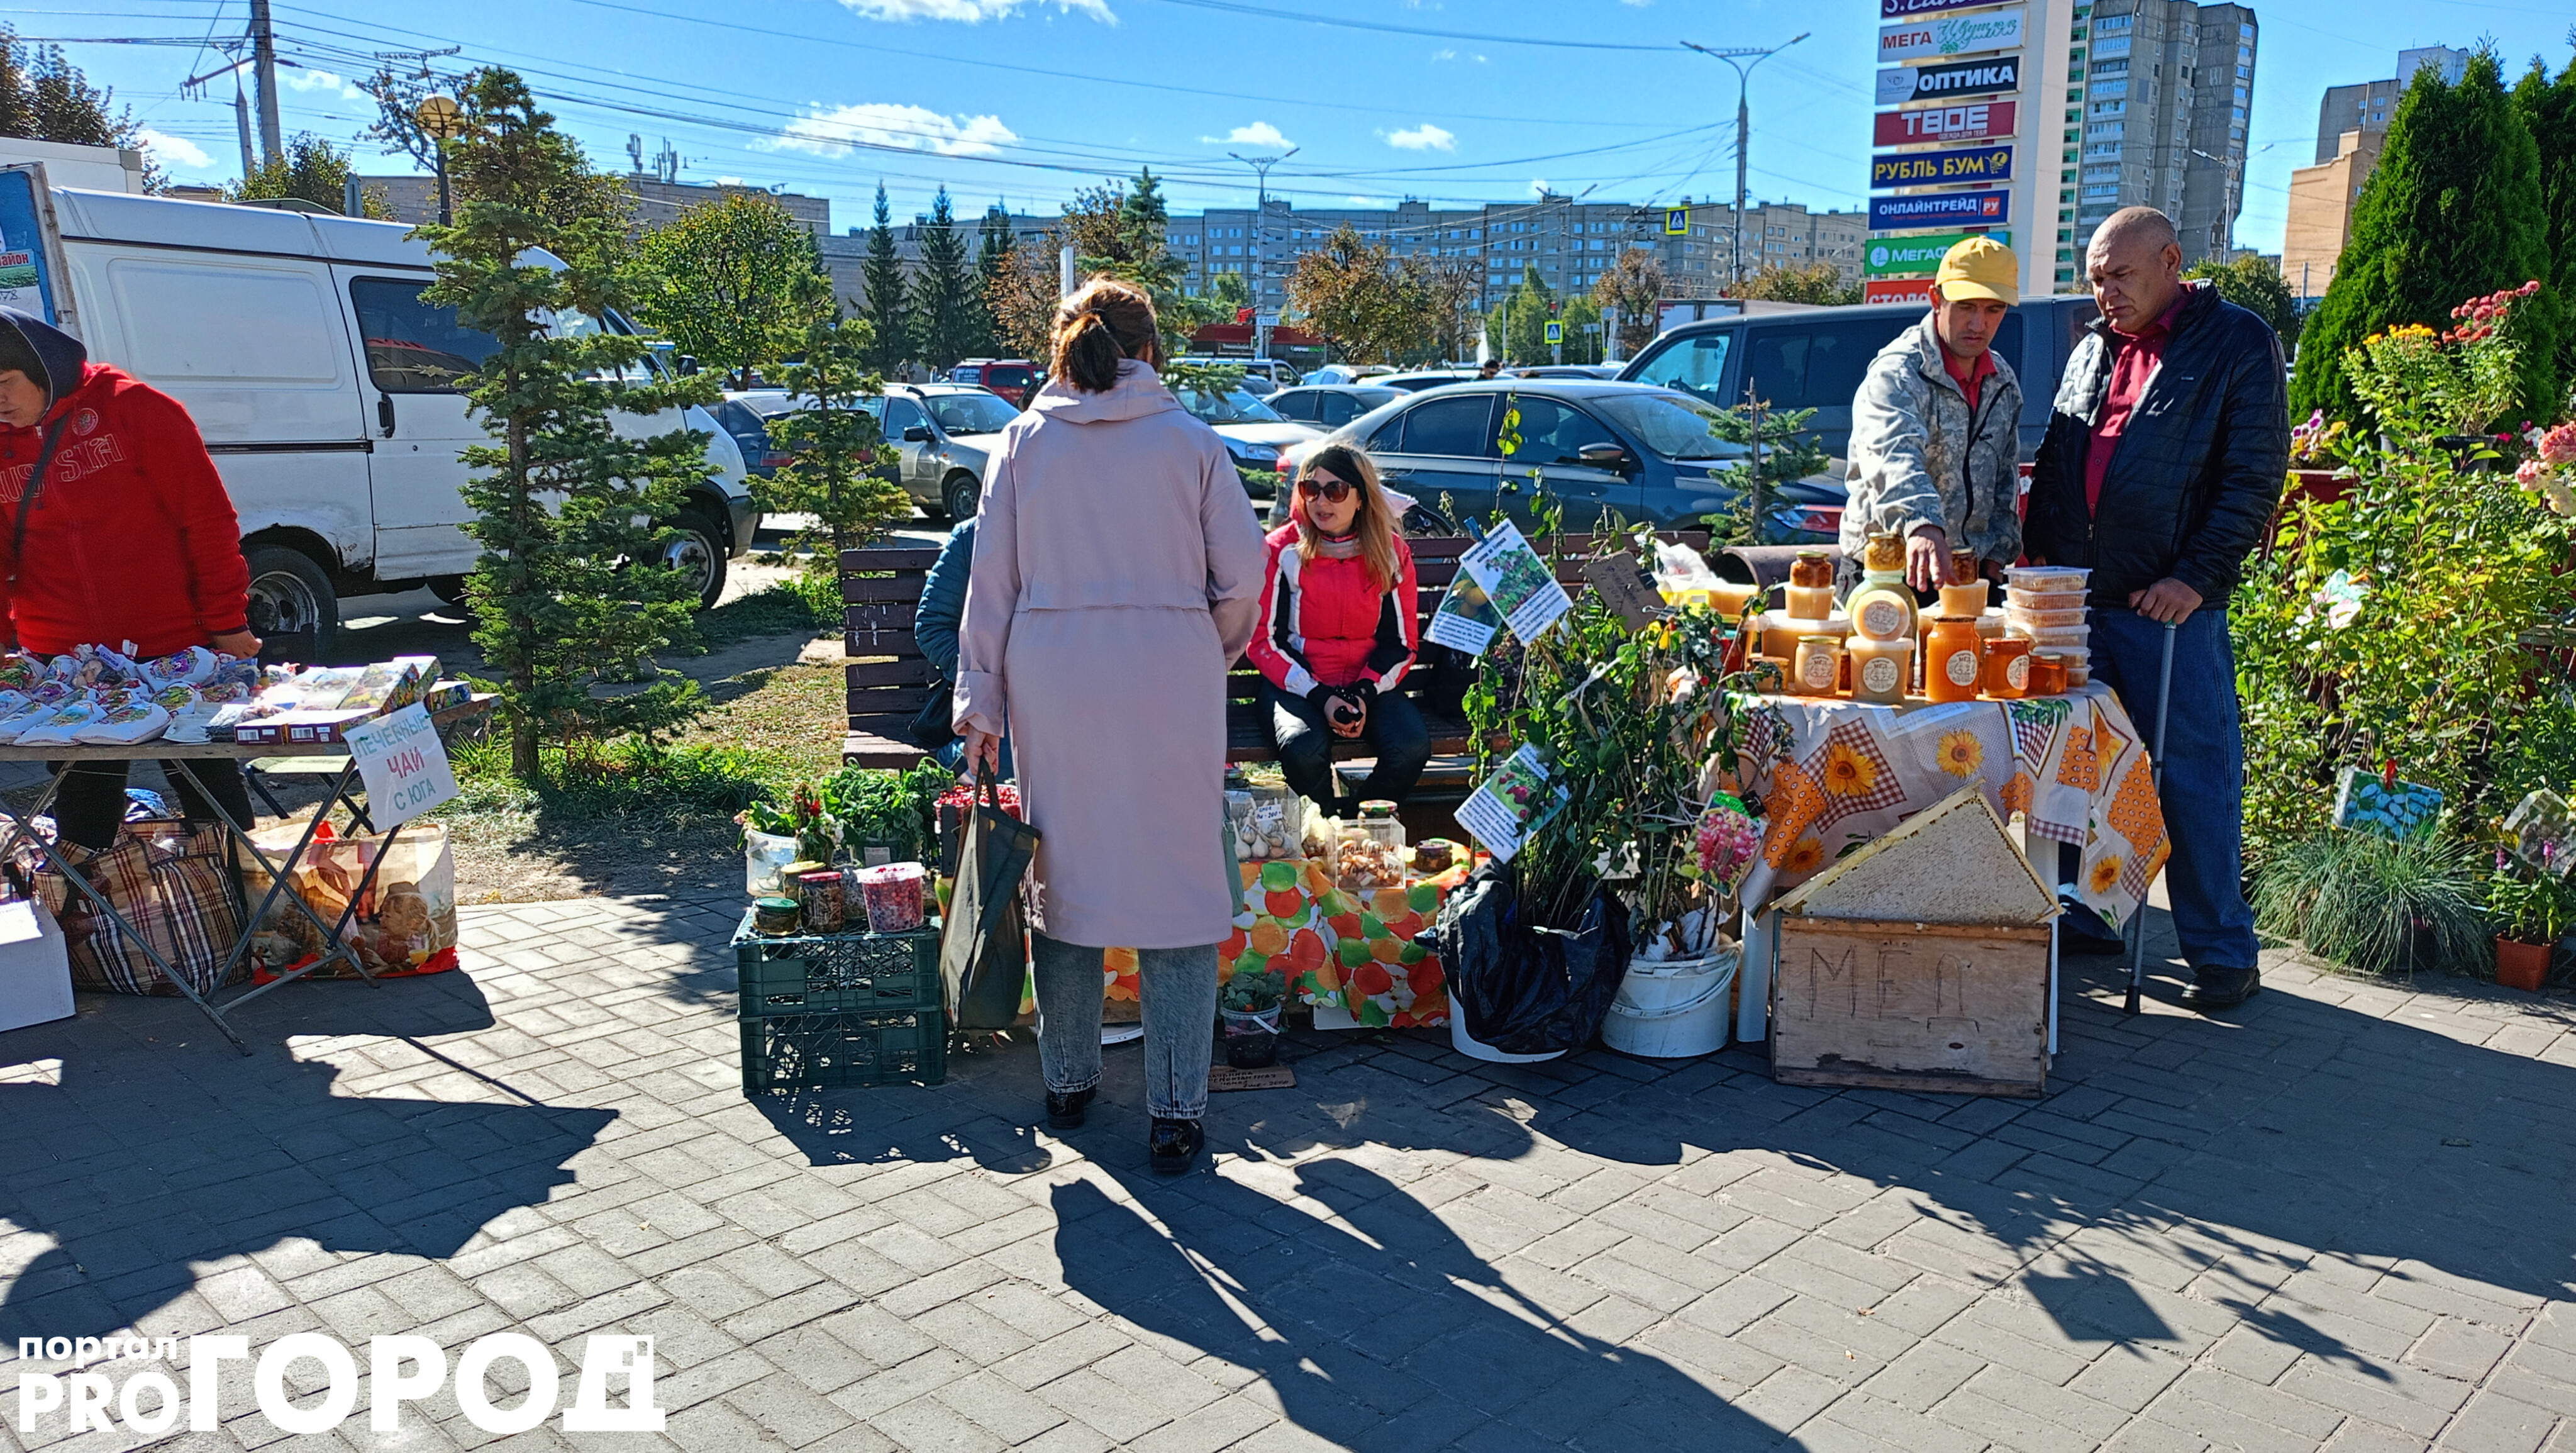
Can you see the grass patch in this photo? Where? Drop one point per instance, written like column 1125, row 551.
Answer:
column 788, row 606
column 631, row 778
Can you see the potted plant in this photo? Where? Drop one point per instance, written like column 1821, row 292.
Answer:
column 2532, row 912
column 2379, row 905
column 1249, row 1006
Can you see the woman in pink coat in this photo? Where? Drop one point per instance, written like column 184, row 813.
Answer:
column 1117, row 576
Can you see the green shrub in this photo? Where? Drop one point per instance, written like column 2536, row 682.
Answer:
column 2376, row 905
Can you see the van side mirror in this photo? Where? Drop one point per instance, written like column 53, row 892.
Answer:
column 688, row 365
column 916, row 433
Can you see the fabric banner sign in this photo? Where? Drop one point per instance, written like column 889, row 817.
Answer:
column 1908, row 257
column 1939, row 209
column 1969, row 121
column 1950, row 35
column 1941, row 168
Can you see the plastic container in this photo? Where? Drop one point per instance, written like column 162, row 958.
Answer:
column 2046, row 578
column 1819, row 666
column 2045, row 599
column 1811, row 602
column 2055, row 638
column 1251, row 1037
column 1672, row 1010
column 1881, row 670
column 2015, row 614
column 893, row 894
column 827, row 1051
column 763, row 854
column 1954, row 661
column 1378, row 820
column 1468, row 1045
column 1268, row 822
column 841, row 973
column 1964, row 600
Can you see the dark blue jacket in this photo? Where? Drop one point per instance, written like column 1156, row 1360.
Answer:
column 943, row 600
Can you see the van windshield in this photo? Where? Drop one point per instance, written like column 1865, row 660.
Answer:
column 1695, row 364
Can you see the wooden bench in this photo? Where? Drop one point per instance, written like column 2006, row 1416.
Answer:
column 889, row 679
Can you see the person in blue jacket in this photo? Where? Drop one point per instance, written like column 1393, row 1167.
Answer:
column 934, row 628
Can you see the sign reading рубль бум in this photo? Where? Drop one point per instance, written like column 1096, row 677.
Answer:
column 1949, row 35
column 1957, row 78
column 1932, row 168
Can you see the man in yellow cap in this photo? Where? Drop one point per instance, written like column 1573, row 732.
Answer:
column 1936, row 428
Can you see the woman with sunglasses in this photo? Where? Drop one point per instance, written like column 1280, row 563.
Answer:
column 1338, row 633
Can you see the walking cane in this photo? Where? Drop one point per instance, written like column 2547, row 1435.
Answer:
column 2156, row 769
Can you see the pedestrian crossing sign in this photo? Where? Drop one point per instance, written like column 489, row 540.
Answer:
column 1555, row 331
column 1677, row 221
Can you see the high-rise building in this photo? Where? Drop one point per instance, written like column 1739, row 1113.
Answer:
column 2367, row 105
column 2167, row 86
column 2352, row 129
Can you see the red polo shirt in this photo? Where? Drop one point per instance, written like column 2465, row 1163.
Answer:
column 1968, row 378
column 2131, row 366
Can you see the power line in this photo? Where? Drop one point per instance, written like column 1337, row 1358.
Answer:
column 1479, row 37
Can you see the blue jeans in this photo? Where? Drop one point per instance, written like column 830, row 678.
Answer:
column 2204, row 782
column 1178, row 987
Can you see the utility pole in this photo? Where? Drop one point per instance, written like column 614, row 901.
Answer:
column 2222, row 231
column 263, row 63
column 241, row 123
column 1261, row 166
column 1744, row 58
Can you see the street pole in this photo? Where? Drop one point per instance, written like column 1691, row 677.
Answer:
column 241, row 123
column 1261, row 166
column 1744, row 58
column 263, row 51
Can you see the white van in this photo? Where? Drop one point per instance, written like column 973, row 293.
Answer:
column 301, row 346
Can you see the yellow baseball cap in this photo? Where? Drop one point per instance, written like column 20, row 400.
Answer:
column 1980, row 267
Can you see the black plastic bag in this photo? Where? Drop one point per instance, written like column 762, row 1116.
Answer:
column 1526, row 989
column 983, row 946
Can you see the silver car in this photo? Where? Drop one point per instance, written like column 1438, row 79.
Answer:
column 945, row 433
column 1256, row 434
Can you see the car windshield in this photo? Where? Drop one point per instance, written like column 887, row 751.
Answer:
column 1236, row 407
column 977, row 413
column 1673, row 427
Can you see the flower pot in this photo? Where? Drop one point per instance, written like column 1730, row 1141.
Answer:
column 1251, row 1037
column 2520, row 965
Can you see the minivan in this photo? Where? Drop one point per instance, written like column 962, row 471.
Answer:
column 321, row 381
column 1813, row 358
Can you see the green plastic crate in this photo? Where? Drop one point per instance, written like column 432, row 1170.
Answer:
column 839, row 973
column 832, row 1051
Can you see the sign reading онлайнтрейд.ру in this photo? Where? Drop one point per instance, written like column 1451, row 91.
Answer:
column 401, row 1368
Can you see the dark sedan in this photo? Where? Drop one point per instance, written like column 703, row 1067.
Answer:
column 1330, row 405
column 1644, row 453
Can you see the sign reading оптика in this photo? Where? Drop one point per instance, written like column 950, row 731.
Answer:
column 1956, row 78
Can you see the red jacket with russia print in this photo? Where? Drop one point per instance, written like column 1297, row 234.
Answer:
column 1324, row 624
column 132, row 538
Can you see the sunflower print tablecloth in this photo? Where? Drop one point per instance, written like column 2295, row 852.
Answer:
column 1832, row 775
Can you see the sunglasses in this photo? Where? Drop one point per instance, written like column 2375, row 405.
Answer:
column 1332, row 489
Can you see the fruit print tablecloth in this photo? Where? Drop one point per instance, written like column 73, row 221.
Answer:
column 1834, row 774
column 1336, row 949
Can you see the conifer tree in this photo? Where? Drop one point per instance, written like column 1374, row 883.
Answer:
column 887, row 310
column 838, row 468
column 995, row 260
column 2453, row 211
column 2548, row 107
column 945, row 294
column 563, row 502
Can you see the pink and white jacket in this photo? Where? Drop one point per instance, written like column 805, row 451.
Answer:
column 1324, row 624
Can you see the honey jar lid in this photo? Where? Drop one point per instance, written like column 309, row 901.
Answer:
column 1820, row 640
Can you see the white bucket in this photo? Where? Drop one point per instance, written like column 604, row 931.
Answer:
column 1473, row 1049
column 1672, row 1010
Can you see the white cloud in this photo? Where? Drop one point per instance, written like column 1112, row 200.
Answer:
column 1444, row 53
column 1359, row 201
column 1425, row 137
column 881, row 123
column 1637, row 4
column 174, row 151
column 1259, row 133
column 1538, row 186
column 306, row 78
column 973, row 12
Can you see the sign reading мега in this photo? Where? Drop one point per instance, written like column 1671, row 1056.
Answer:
column 1949, row 35
column 403, row 763
column 1932, row 168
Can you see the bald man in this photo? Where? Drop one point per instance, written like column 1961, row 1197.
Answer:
column 2165, row 455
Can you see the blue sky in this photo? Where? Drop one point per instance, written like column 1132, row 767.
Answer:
column 1027, row 100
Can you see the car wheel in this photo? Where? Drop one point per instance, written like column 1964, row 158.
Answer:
column 698, row 553
column 448, row 588
column 293, row 608
column 960, row 494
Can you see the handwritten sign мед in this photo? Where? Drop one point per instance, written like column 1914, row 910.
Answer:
column 403, row 763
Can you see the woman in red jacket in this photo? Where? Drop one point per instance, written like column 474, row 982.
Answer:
column 127, row 536
column 1338, row 633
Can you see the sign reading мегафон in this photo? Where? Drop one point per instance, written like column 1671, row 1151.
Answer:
column 1917, row 256
column 1949, row 35
column 1933, row 168
column 1958, row 78
column 1940, row 209
column 1973, row 121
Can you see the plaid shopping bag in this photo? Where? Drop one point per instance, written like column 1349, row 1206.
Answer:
column 174, row 889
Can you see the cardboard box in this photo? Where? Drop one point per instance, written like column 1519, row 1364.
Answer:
column 35, row 968
column 1940, row 1007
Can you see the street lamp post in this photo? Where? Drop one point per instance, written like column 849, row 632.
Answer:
column 1261, row 166
column 2221, row 232
column 1744, row 58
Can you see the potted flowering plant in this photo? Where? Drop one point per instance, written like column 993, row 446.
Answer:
column 2529, row 896
column 1249, row 1006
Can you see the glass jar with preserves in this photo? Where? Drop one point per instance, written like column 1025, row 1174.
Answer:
column 1884, row 554
column 1964, row 600
column 2007, row 668
column 1812, row 567
column 1954, row 666
column 1819, row 666
column 1881, row 670
column 1963, row 567
column 2047, row 674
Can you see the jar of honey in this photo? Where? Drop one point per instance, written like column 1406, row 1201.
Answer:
column 1812, row 567
column 1881, row 670
column 1730, row 598
column 2008, row 668
column 2047, row 674
column 1884, row 554
column 1963, row 567
column 1811, row 602
column 1964, row 600
column 1819, row 666
column 1954, row 666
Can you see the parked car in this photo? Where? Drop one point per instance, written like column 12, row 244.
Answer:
column 1013, row 378
column 1261, row 376
column 1814, row 358
column 745, row 416
column 943, row 431
column 1424, row 378
column 1568, row 370
column 1347, row 373
column 1647, row 454
column 324, row 384
column 1254, row 433
column 1332, row 405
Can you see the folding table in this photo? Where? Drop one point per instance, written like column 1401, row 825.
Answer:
column 21, row 824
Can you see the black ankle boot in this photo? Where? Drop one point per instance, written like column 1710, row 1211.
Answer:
column 1174, row 1146
column 1064, row 1111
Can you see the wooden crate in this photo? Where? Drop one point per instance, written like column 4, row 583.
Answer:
column 1944, row 1007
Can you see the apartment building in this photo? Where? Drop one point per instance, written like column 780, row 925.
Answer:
column 2166, row 89
column 2352, row 130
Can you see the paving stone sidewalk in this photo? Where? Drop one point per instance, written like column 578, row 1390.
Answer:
column 2340, row 1218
